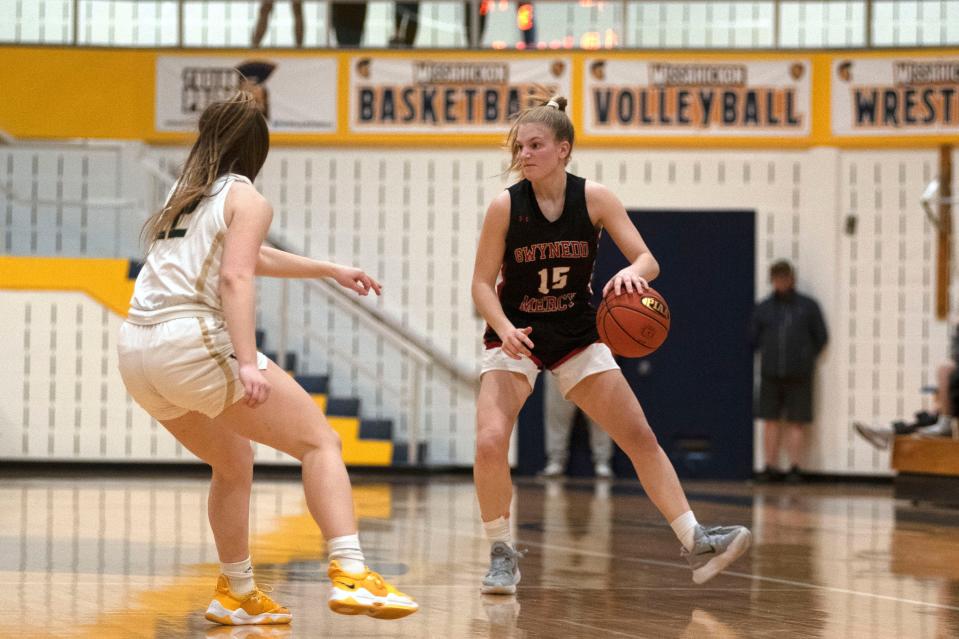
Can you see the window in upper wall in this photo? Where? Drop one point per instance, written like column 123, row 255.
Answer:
column 822, row 24
column 904, row 23
column 697, row 25
column 36, row 21
column 127, row 23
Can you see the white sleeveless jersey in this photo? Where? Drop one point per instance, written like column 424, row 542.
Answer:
column 181, row 276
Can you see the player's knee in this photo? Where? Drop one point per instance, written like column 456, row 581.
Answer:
column 236, row 468
column 330, row 440
column 322, row 438
column 491, row 446
column 643, row 439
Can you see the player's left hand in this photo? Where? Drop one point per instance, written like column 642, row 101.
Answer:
column 356, row 280
column 627, row 280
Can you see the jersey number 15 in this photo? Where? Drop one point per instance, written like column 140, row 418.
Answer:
column 559, row 279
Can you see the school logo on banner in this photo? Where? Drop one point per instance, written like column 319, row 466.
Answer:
column 297, row 95
column 895, row 96
column 420, row 95
column 673, row 98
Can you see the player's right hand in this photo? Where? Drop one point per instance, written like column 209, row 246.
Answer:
column 255, row 384
column 516, row 342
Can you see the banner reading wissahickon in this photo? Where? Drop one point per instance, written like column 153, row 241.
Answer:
column 895, row 96
column 430, row 95
column 298, row 95
column 671, row 98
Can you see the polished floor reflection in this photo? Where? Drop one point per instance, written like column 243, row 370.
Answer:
column 89, row 556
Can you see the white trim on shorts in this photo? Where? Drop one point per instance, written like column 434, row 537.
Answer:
column 595, row 358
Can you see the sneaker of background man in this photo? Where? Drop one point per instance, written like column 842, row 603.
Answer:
column 942, row 428
column 769, row 475
column 603, row 471
column 878, row 436
column 553, row 469
column 794, row 476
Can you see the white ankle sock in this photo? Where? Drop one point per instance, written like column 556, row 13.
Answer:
column 685, row 528
column 240, row 576
column 346, row 550
column 498, row 530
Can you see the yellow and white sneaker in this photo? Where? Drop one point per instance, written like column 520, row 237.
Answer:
column 367, row 594
column 253, row 608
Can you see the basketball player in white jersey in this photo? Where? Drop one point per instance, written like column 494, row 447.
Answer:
column 188, row 356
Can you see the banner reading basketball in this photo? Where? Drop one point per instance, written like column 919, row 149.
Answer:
column 414, row 95
column 895, row 96
column 738, row 97
column 297, row 95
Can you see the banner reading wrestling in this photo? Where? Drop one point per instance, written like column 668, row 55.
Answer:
column 895, row 96
column 429, row 95
column 736, row 97
column 298, row 95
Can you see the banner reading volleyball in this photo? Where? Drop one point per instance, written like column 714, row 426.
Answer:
column 895, row 96
column 429, row 95
column 736, row 97
column 297, row 95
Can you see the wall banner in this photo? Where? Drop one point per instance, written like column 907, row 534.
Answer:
column 668, row 98
column 895, row 96
column 430, row 95
column 297, row 94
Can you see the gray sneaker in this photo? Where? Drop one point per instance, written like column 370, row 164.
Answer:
column 503, row 572
column 715, row 548
column 878, row 436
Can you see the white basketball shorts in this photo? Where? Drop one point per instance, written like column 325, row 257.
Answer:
column 593, row 359
column 181, row 365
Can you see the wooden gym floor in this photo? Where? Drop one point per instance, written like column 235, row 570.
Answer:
column 121, row 555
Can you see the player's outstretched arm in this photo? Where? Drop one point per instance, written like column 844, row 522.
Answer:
column 273, row 262
column 609, row 213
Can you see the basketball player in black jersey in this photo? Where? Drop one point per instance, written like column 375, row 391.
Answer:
column 540, row 236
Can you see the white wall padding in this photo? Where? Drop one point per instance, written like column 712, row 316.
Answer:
column 412, row 218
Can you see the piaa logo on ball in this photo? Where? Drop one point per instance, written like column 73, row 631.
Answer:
column 656, row 305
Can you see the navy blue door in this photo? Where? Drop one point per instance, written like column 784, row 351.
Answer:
column 697, row 388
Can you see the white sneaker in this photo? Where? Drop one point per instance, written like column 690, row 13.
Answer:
column 553, row 469
column 942, row 428
column 603, row 471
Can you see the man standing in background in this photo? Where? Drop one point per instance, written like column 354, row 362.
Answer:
column 789, row 332
column 560, row 416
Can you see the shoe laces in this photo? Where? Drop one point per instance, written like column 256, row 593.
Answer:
column 506, row 561
column 260, row 593
column 377, row 578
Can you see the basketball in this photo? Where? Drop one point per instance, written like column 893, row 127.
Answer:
column 633, row 324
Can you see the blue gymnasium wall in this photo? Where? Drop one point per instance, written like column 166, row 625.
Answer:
column 697, row 388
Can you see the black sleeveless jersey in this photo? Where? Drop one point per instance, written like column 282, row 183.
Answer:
column 546, row 274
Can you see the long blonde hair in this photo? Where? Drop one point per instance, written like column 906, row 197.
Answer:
column 544, row 112
column 233, row 138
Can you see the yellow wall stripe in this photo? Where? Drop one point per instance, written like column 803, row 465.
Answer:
column 105, row 280
column 37, row 78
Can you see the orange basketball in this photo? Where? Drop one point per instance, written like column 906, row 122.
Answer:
column 633, row 324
